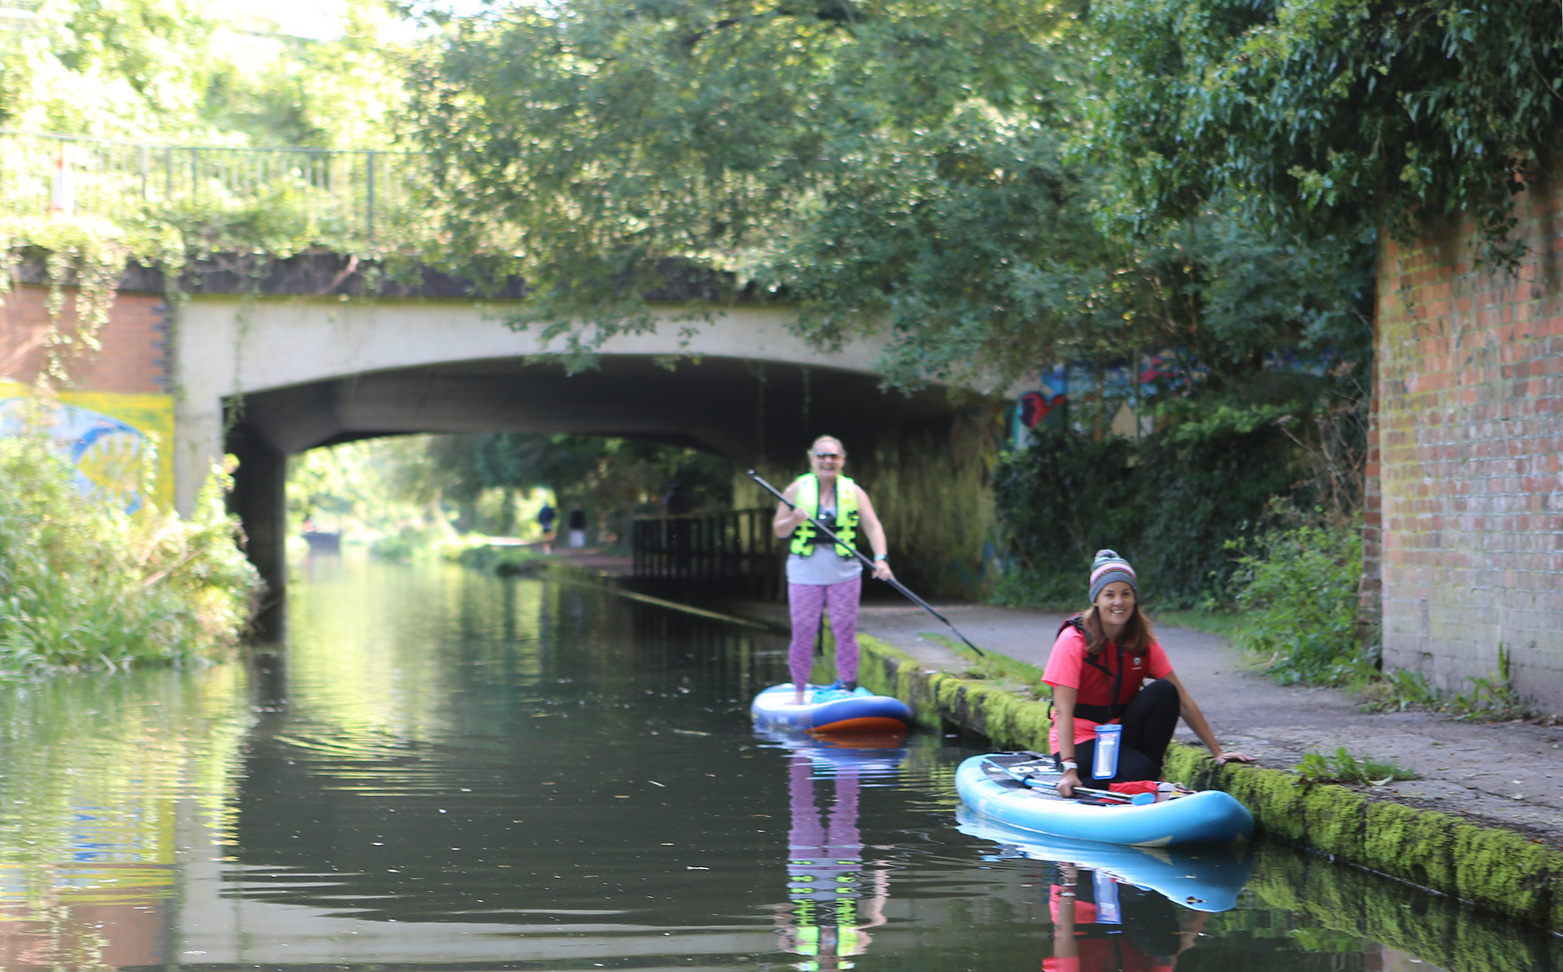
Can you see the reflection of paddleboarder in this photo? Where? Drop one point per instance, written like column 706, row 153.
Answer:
column 832, row 897
column 1102, row 925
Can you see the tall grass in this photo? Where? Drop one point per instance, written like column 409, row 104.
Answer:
column 86, row 586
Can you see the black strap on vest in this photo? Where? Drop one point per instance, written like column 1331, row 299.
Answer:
column 1098, row 713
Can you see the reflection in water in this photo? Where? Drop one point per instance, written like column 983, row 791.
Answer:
column 99, row 772
column 833, row 895
column 456, row 772
column 1102, row 924
column 1116, row 907
column 1203, row 880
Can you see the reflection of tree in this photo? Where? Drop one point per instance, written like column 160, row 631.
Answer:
column 1102, row 924
column 832, row 897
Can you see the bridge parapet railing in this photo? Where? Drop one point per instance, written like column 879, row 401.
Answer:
column 732, row 552
column 326, row 195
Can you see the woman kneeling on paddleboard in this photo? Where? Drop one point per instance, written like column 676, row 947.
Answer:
column 1107, row 669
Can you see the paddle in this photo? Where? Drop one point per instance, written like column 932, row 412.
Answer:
column 868, row 563
column 1028, row 771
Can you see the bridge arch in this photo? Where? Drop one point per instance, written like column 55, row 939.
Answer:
column 305, row 373
column 269, row 377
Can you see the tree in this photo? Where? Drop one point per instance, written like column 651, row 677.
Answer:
column 106, row 67
column 190, row 71
column 869, row 161
column 1323, row 114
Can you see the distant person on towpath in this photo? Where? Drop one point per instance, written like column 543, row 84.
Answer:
column 1107, row 668
column 545, row 519
column 822, row 574
column 577, row 527
column 677, row 501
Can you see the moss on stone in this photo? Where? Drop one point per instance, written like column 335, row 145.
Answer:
column 1498, row 870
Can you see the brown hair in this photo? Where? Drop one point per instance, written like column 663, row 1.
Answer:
column 1137, row 634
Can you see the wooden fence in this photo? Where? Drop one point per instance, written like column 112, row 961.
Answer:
column 732, row 552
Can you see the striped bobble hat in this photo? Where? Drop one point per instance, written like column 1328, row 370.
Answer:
column 1109, row 567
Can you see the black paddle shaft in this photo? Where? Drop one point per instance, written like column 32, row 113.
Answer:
column 867, row 563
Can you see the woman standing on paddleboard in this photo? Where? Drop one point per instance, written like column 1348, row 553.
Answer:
column 1108, row 669
column 821, row 573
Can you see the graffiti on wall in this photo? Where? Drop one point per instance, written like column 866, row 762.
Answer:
column 1096, row 398
column 1111, row 399
column 111, row 440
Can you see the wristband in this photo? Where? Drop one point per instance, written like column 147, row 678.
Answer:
column 881, row 557
column 1068, row 764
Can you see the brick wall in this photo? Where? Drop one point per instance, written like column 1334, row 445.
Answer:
column 130, row 362
column 1469, row 428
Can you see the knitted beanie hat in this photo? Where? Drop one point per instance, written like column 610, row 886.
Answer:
column 1109, row 567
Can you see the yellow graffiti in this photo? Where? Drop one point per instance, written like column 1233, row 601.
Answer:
column 120, row 444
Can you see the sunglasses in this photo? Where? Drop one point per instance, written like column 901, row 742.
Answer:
column 827, row 455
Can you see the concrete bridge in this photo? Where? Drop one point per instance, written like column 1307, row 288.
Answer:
column 310, row 358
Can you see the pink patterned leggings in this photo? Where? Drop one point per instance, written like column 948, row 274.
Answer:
column 807, row 602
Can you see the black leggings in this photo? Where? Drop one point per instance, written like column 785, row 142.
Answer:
column 1148, row 723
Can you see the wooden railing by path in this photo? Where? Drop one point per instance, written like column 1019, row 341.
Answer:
column 731, row 552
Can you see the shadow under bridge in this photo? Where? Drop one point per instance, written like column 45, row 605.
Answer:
column 758, row 414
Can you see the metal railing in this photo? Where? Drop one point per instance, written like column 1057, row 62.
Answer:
column 733, row 552
column 323, row 194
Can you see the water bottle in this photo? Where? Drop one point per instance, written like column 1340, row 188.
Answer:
column 1105, row 765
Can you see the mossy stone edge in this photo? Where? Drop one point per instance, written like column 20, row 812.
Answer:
column 1495, row 869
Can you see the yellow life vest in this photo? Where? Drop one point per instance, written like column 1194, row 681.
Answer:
column 845, row 527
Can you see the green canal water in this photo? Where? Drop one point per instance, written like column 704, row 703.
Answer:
column 446, row 771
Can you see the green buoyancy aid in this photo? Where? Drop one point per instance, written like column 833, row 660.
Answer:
column 845, row 527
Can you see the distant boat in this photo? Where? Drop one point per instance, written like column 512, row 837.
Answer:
column 321, row 540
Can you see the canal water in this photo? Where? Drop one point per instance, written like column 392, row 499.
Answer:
column 446, row 771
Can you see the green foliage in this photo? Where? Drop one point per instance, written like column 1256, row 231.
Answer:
column 501, row 560
column 111, row 68
column 122, row 88
column 1058, row 502
column 868, row 161
column 1167, row 503
column 1230, row 296
column 923, row 167
column 1297, row 588
column 371, row 481
column 186, row 71
column 1330, row 113
column 1343, row 767
column 1490, row 698
column 412, row 541
column 85, row 586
